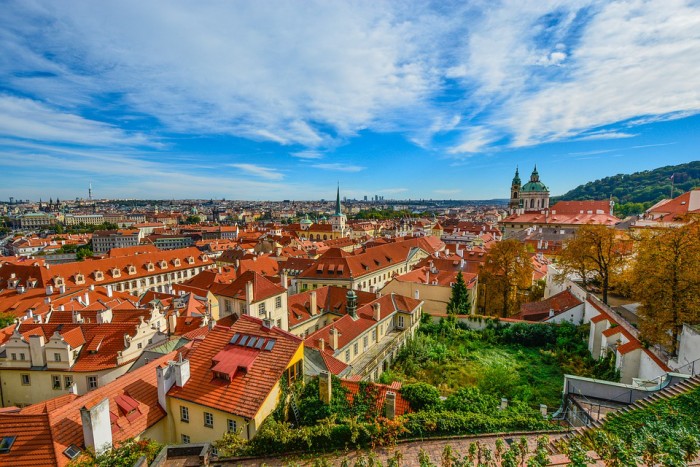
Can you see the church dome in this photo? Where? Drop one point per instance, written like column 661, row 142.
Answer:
column 534, row 186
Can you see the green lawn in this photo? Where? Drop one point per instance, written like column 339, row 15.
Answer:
column 452, row 358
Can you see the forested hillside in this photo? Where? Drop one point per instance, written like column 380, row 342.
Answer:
column 638, row 191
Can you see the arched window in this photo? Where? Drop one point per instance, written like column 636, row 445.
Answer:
column 532, row 203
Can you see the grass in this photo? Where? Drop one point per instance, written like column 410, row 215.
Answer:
column 455, row 358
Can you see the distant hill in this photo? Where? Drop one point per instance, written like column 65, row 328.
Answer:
column 638, row 191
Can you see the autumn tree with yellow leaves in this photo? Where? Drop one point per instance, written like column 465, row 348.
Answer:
column 596, row 253
column 666, row 280
column 506, row 272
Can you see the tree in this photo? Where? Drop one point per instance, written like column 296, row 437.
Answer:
column 666, row 280
column 507, row 270
column 459, row 301
column 595, row 253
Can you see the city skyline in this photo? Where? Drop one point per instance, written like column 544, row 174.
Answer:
column 283, row 101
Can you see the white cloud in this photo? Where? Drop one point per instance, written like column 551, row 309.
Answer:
column 29, row 119
column 475, row 140
column 605, row 134
column 259, row 171
column 339, row 167
column 307, row 155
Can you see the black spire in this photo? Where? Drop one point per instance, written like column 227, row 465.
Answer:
column 337, row 202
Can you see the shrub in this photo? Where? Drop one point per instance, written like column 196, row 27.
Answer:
column 421, row 396
column 471, row 400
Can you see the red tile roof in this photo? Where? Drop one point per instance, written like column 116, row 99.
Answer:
column 329, row 299
column 539, row 311
column 246, row 391
column 262, row 287
column 349, row 328
column 44, row 431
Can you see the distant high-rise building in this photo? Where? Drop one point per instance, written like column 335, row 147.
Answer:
column 365, row 198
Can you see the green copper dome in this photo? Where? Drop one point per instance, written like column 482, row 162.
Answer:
column 534, row 184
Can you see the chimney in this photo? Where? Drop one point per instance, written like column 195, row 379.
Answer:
column 86, row 299
column 36, row 350
column 267, row 322
column 334, row 338
column 172, row 322
column 351, row 303
column 92, row 286
column 109, row 290
column 249, row 293
column 390, row 405
column 97, row 427
column 49, row 290
column 313, row 309
column 376, row 311
column 182, row 371
column 104, row 316
column 325, row 390
column 322, row 344
column 416, row 294
column 62, row 289
column 283, row 279
column 165, row 379
column 551, row 313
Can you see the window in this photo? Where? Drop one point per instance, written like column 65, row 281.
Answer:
column 56, row 381
column 261, row 308
column 374, row 334
column 139, row 345
column 184, row 414
column 231, row 425
column 354, row 348
column 67, row 381
column 25, row 380
column 227, row 306
column 6, row 444
column 278, row 302
column 92, row 382
column 208, row 420
column 21, row 356
column 401, row 321
column 279, row 323
column 185, row 439
column 56, row 357
column 72, row 451
column 347, row 355
column 364, row 342
column 14, row 356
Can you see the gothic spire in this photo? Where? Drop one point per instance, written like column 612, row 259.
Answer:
column 337, row 202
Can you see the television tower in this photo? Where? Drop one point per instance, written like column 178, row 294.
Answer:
column 90, row 192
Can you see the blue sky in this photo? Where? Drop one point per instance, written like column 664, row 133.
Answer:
column 281, row 100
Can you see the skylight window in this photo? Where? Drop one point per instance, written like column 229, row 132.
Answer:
column 252, row 341
column 244, row 340
column 234, row 338
column 260, row 343
column 72, row 451
column 6, row 444
column 270, row 344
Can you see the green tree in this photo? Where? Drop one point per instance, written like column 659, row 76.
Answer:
column 421, row 396
column 459, row 303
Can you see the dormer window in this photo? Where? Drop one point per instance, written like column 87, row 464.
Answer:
column 131, row 269
column 204, row 258
column 79, row 279
column 150, row 267
column 58, row 281
column 176, row 262
column 162, row 264
column 190, row 260
column 99, row 275
column 116, row 272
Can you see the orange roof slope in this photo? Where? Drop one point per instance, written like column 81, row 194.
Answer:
column 559, row 303
column 240, row 392
column 262, row 287
column 328, row 299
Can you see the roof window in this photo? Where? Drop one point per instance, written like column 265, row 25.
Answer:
column 72, row 451
column 6, row 444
